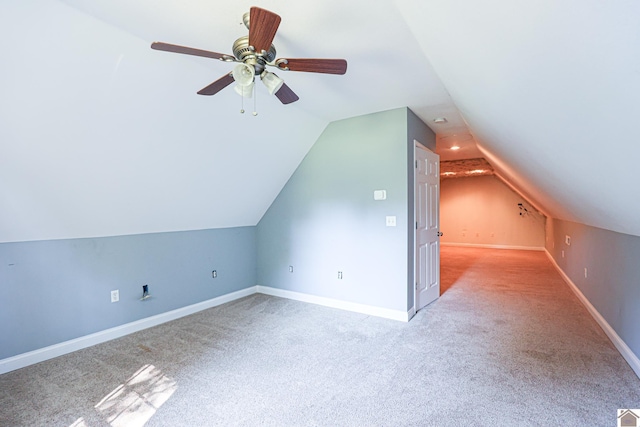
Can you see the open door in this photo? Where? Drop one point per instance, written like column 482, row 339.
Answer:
column 427, row 214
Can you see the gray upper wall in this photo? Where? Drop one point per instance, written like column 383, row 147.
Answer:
column 58, row 290
column 325, row 219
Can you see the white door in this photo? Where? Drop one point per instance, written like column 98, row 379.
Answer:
column 427, row 211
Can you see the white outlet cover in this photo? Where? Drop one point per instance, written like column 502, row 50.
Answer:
column 391, row 221
column 115, row 296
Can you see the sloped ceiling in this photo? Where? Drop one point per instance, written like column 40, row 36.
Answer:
column 100, row 135
column 550, row 90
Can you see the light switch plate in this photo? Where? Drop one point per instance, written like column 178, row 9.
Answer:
column 380, row 195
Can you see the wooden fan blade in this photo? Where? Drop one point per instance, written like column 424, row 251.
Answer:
column 312, row 65
column 262, row 28
column 217, row 86
column 286, row 95
column 186, row 50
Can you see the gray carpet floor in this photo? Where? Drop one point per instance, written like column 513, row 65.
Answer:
column 506, row 344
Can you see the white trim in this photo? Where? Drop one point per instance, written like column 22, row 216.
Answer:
column 622, row 347
column 40, row 355
column 414, row 249
column 480, row 245
column 419, row 144
column 386, row 313
column 25, row 359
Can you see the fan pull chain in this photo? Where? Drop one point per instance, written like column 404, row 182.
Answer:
column 255, row 113
column 242, row 102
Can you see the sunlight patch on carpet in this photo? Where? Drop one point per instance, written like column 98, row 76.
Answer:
column 133, row 403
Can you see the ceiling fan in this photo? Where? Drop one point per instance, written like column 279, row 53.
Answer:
column 254, row 53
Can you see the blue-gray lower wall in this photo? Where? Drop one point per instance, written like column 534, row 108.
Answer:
column 57, row 290
column 326, row 220
column 612, row 284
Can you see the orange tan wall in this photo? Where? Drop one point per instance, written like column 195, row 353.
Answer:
column 484, row 211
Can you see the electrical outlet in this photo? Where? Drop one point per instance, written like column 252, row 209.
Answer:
column 339, row 274
column 115, row 296
column 391, row 221
column 567, row 240
column 291, row 269
column 214, row 274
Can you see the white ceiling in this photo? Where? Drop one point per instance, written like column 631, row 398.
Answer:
column 101, row 135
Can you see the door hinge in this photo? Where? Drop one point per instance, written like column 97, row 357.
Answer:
column 416, row 164
column 416, row 225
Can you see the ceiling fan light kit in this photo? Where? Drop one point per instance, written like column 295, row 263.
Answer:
column 243, row 74
column 272, row 82
column 245, row 91
column 254, row 53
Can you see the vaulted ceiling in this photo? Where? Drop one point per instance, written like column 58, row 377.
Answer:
column 101, row 135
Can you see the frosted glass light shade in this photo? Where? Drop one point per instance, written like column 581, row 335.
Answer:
column 245, row 91
column 272, row 82
column 244, row 74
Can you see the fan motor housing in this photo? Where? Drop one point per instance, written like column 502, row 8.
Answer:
column 244, row 53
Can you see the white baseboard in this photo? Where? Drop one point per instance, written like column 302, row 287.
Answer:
column 42, row 354
column 480, row 245
column 622, row 347
column 386, row 313
column 25, row 359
